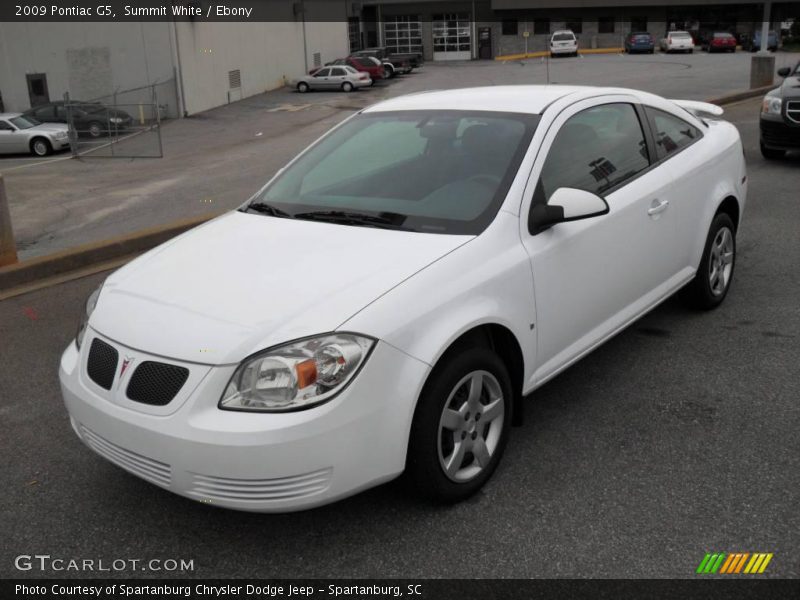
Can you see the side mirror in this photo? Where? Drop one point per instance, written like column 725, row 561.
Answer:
column 784, row 72
column 566, row 204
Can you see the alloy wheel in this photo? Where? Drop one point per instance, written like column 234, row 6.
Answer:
column 471, row 425
column 720, row 262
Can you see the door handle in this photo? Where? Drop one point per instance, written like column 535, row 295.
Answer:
column 658, row 206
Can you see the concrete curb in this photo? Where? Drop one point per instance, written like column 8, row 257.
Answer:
column 738, row 96
column 547, row 53
column 26, row 275
column 92, row 258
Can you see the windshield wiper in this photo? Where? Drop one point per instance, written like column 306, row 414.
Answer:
column 267, row 209
column 387, row 220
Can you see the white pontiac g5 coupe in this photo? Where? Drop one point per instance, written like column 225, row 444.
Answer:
column 383, row 304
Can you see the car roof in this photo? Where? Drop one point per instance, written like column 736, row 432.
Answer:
column 563, row 31
column 531, row 99
column 10, row 115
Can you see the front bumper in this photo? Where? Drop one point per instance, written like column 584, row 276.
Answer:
column 778, row 134
column 264, row 462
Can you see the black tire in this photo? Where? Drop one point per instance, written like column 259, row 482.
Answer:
column 347, row 86
column 95, row 129
column 390, row 73
column 41, row 147
column 699, row 292
column 424, row 470
column 771, row 153
column 303, row 87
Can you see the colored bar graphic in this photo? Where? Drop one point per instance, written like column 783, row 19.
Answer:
column 734, row 563
column 703, row 563
column 765, row 563
column 718, row 563
column 740, row 564
column 727, row 564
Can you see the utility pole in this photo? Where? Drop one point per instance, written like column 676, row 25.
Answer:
column 8, row 248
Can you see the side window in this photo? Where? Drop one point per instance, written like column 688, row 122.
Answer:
column 595, row 150
column 46, row 113
column 4, row 126
column 322, row 73
column 338, row 72
column 672, row 133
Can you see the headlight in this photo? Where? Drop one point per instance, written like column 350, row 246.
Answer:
column 297, row 375
column 61, row 134
column 115, row 120
column 771, row 105
column 91, row 302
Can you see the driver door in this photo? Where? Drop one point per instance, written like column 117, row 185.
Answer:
column 592, row 276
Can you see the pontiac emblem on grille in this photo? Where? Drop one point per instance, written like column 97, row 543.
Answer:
column 125, row 364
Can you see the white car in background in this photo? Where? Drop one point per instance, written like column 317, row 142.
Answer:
column 677, row 41
column 339, row 77
column 22, row 134
column 563, row 43
column 351, row 322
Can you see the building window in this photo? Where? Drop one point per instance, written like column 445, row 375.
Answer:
column 451, row 33
column 510, row 27
column 403, row 34
column 541, row 27
column 639, row 24
column 574, row 25
column 354, row 32
column 605, row 25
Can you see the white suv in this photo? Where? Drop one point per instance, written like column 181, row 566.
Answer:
column 563, row 42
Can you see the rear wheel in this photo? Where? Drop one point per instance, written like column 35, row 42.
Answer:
column 771, row 153
column 302, row 87
column 714, row 275
column 347, row 86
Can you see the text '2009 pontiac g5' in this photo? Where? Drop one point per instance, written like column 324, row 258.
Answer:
column 384, row 302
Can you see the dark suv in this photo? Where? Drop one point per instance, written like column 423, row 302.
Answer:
column 780, row 116
column 89, row 118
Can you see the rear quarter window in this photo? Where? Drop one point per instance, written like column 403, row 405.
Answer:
column 672, row 134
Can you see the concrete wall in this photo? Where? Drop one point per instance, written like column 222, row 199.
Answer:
column 82, row 58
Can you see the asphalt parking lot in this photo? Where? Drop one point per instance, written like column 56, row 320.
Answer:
column 678, row 437
column 215, row 160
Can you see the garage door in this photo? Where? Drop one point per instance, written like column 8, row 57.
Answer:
column 403, row 34
column 451, row 37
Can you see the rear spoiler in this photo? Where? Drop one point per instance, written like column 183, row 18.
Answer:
column 700, row 109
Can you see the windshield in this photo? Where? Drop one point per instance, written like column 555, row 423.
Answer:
column 25, row 122
column 680, row 34
column 563, row 37
column 427, row 171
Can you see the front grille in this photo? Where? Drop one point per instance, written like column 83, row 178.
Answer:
column 102, row 364
column 146, row 468
column 776, row 133
column 208, row 487
column 156, row 383
column 793, row 111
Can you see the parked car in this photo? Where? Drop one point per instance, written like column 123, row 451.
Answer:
column 340, row 77
column 415, row 59
column 89, row 118
column 720, row 42
column 677, row 41
column 365, row 64
column 779, row 123
column 752, row 42
column 396, row 66
column 640, row 41
column 563, row 43
column 22, row 134
column 371, row 309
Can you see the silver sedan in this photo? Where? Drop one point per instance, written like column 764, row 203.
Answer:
column 21, row 134
column 340, row 77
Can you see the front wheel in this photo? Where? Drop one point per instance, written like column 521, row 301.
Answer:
column 461, row 426
column 95, row 129
column 302, row 87
column 714, row 275
column 41, row 147
column 771, row 153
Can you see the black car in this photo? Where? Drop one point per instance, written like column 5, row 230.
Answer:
column 89, row 118
column 780, row 116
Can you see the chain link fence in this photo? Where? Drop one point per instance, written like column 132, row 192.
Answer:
column 124, row 124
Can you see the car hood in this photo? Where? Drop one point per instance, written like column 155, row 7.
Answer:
column 245, row 282
column 49, row 128
column 790, row 87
